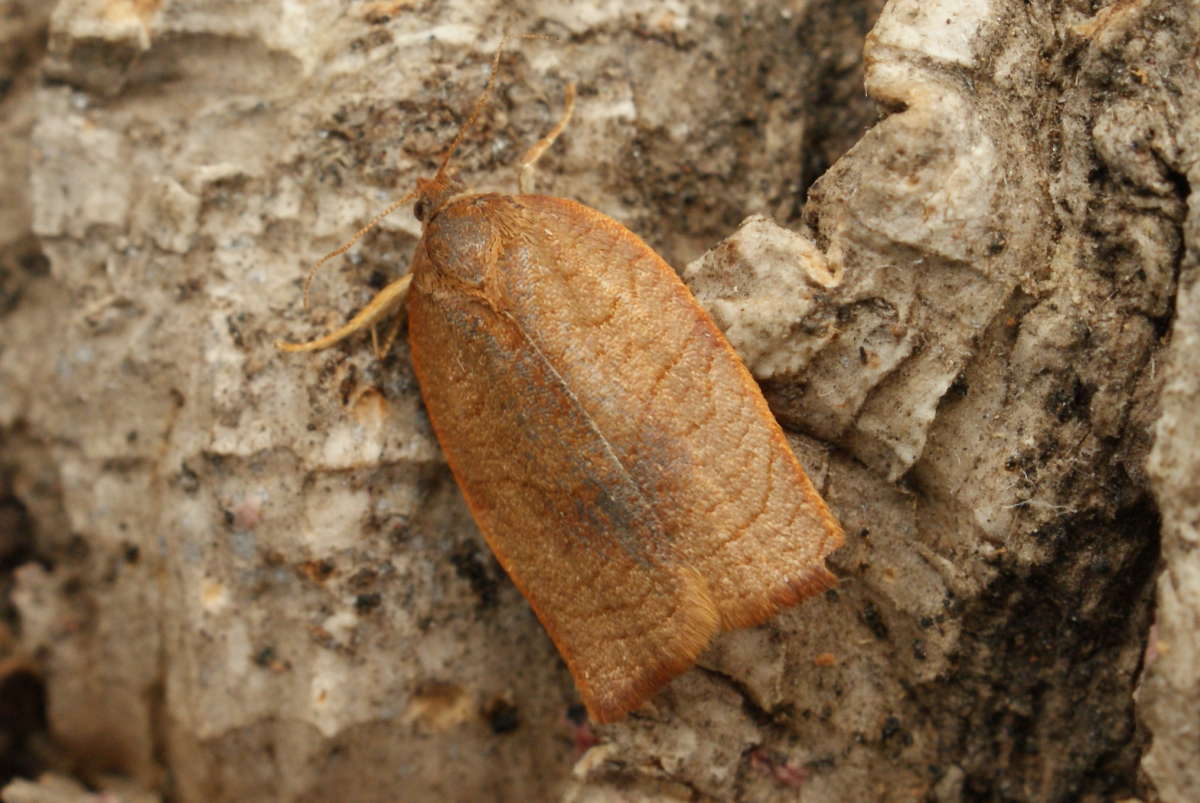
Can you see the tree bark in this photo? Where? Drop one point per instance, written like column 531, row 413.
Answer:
column 970, row 295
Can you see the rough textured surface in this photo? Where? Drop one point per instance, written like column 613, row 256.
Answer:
column 241, row 576
column 23, row 28
column 52, row 788
column 1169, row 697
column 763, row 286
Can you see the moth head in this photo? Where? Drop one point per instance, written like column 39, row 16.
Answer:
column 433, row 193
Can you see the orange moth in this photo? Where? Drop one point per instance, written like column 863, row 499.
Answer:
column 614, row 451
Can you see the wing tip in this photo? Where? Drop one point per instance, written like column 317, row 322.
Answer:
column 793, row 590
column 700, row 622
column 694, row 637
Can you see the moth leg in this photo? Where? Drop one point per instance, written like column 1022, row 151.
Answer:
column 525, row 176
column 385, row 302
column 392, row 333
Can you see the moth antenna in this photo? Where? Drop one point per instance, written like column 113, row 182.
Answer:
column 346, row 246
column 480, row 102
column 484, row 96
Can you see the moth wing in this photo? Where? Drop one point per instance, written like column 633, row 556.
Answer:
column 564, row 518
column 682, row 413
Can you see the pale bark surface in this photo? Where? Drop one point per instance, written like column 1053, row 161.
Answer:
column 240, row 575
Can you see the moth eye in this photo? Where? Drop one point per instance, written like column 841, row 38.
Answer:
column 421, row 209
